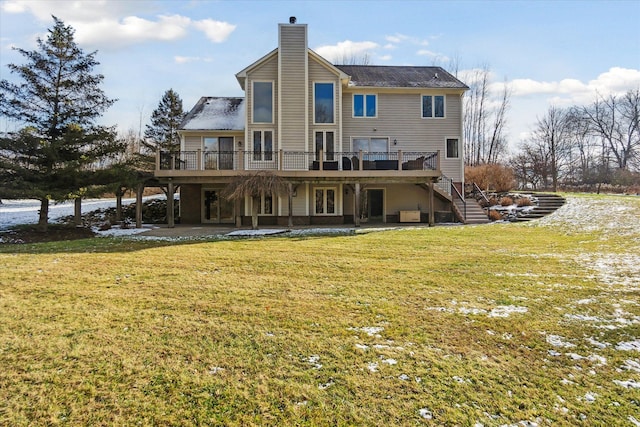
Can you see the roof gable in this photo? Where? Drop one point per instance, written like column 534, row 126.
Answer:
column 215, row 113
column 400, row 77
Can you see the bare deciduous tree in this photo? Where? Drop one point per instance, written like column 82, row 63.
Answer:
column 254, row 185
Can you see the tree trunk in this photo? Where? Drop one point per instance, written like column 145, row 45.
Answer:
column 139, row 192
column 43, row 219
column 119, row 192
column 77, row 211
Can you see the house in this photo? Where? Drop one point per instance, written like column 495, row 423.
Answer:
column 355, row 143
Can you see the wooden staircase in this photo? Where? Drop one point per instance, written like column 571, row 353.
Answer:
column 474, row 212
column 547, row 204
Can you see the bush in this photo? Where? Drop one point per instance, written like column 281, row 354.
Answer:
column 495, row 215
column 524, row 201
column 506, row 201
column 491, row 177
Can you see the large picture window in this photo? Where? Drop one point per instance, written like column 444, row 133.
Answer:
column 325, row 201
column 365, row 105
column 263, row 145
column 323, row 104
column 433, row 106
column 262, row 102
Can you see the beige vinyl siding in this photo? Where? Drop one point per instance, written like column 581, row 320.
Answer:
column 267, row 71
column 400, row 118
column 292, row 55
column 320, row 74
column 192, row 143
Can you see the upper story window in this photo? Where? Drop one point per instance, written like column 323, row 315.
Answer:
column 262, row 102
column 432, row 106
column 323, row 104
column 365, row 105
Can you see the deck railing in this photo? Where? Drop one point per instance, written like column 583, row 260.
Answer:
column 297, row 160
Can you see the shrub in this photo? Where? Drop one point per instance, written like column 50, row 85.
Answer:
column 506, row 201
column 494, row 215
column 524, row 201
column 493, row 200
column 491, row 177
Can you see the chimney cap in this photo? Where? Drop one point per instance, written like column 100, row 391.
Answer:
column 292, row 20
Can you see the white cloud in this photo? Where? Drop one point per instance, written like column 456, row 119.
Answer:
column 616, row 80
column 216, row 31
column 346, row 50
column 385, row 58
column 109, row 24
column 187, row 59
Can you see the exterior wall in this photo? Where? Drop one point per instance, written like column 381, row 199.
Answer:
column 267, row 71
column 399, row 117
column 190, row 204
column 319, row 73
column 292, row 78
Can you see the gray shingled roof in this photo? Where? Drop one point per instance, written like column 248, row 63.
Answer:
column 215, row 113
column 400, row 76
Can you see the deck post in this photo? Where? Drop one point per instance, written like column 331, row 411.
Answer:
column 170, row 218
column 356, row 208
column 399, row 160
column 290, row 196
column 199, row 164
column 139, row 191
column 431, row 201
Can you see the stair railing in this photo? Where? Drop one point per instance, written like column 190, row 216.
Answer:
column 477, row 190
column 456, row 194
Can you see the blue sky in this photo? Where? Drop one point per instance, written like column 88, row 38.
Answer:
column 549, row 52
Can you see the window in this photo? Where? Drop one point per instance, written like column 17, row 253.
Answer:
column 325, row 142
column 262, row 102
column 263, row 145
column 373, row 148
column 432, row 106
column 364, row 105
column 266, row 204
column 325, row 201
column 323, row 103
column 452, row 148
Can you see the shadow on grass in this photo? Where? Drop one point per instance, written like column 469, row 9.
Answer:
column 25, row 239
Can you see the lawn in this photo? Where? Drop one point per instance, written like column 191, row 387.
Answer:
column 503, row 324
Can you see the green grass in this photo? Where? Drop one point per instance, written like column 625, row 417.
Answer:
column 273, row 331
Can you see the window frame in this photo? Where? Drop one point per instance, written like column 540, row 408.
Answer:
column 325, row 201
column 433, row 106
column 333, row 103
column 253, row 102
column 263, row 203
column 261, row 155
column 329, row 155
column 446, row 148
column 365, row 105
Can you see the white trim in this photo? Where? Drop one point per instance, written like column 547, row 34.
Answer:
column 324, row 200
column 433, row 106
column 335, row 102
column 446, row 147
column 364, row 104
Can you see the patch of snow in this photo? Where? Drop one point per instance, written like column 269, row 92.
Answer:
column 256, row 233
column 466, row 310
column 596, row 343
column 426, row 414
column 628, row 384
column 634, row 421
column 372, row 331
column 372, row 366
column 590, row 397
column 506, row 310
column 631, row 365
column 215, row 369
column 362, row 346
column 558, row 341
column 314, row 361
column 629, row 346
column 404, row 377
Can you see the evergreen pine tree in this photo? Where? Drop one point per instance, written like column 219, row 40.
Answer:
column 59, row 146
column 165, row 120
